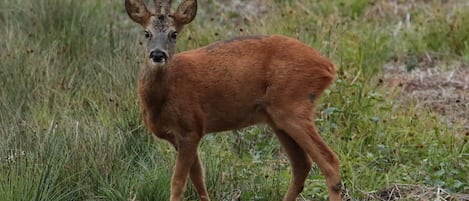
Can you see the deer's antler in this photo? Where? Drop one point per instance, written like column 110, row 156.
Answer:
column 158, row 7
column 166, row 5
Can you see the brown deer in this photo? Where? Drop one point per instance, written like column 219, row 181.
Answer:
column 229, row 85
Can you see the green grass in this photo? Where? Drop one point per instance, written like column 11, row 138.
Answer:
column 69, row 118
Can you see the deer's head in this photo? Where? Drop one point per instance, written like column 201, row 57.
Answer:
column 161, row 27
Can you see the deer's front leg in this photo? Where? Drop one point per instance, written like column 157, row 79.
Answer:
column 197, row 177
column 187, row 153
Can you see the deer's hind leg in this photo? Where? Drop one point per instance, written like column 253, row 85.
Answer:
column 297, row 122
column 300, row 161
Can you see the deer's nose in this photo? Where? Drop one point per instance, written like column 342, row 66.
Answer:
column 158, row 56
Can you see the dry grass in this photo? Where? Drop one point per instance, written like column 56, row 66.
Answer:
column 415, row 192
column 445, row 92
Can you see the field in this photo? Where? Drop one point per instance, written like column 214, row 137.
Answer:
column 397, row 115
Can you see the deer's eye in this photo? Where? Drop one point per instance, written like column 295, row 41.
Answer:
column 173, row 35
column 147, row 34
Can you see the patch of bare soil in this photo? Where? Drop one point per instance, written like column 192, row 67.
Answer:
column 445, row 92
column 247, row 9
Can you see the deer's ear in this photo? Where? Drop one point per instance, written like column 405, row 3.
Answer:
column 137, row 11
column 186, row 12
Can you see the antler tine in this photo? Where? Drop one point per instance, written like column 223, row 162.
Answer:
column 158, row 5
column 167, row 7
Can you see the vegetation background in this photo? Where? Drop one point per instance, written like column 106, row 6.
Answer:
column 397, row 115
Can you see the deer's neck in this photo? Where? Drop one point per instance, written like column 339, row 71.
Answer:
column 152, row 89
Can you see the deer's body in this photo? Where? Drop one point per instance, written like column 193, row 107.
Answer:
column 227, row 89
column 228, row 85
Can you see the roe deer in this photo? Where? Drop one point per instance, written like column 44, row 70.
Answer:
column 229, row 85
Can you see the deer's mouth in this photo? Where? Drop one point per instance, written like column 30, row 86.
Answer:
column 159, row 62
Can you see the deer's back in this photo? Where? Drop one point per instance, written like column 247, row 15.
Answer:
column 229, row 84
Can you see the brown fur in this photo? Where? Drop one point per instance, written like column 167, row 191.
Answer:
column 234, row 84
